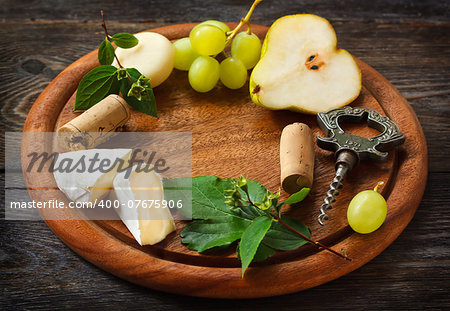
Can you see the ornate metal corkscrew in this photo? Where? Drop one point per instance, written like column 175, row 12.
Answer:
column 350, row 149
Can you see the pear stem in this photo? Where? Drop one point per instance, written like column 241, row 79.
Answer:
column 245, row 20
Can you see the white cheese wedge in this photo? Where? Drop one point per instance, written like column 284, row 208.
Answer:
column 140, row 195
column 82, row 183
column 153, row 56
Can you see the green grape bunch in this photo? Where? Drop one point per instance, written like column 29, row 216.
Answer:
column 197, row 54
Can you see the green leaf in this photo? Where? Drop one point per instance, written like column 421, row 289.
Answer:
column 249, row 212
column 281, row 238
column 256, row 191
column 125, row 40
column 208, row 203
column 208, row 198
column 298, row 196
column 96, row 85
column 179, row 190
column 251, row 238
column 205, row 234
column 262, row 253
column 147, row 104
column 219, row 224
column 106, row 53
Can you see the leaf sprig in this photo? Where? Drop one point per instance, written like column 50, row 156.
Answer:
column 107, row 79
column 227, row 210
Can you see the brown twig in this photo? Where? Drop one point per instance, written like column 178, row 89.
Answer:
column 278, row 218
column 108, row 37
column 318, row 244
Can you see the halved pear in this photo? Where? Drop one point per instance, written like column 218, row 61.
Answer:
column 301, row 68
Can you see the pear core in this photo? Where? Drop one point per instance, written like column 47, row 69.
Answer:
column 301, row 68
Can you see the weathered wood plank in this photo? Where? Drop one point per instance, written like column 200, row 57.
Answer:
column 173, row 11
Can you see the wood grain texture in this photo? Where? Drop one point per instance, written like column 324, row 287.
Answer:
column 407, row 41
column 231, row 136
column 173, row 11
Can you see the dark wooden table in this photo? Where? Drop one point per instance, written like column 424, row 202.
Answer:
column 406, row 41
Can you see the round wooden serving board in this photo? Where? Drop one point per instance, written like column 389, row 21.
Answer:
column 232, row 136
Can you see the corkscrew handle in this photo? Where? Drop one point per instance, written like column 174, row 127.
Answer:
column 350, row 149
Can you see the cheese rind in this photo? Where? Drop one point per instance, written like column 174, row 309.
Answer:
column 139, row 194
column 88, row 185
column 153, row 56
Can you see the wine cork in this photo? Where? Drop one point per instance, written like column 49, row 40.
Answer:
column 296, row 157
column 95, row 125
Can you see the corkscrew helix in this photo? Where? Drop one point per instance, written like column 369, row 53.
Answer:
column 350, row 149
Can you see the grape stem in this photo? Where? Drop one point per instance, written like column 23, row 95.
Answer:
column 245, row 20
column 380, row 183
column 249, row 30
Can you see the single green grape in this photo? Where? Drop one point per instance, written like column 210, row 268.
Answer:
column 247, row 48
column 207, row 39
column 184, row 54
column 219, row 24
column 204, row 73
column 233, row 73
column 367, row 211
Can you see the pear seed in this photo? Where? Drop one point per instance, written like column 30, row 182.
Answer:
column 256, row 89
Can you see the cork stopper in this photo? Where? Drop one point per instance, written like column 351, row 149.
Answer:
column 94, row 126
column 296, row 157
